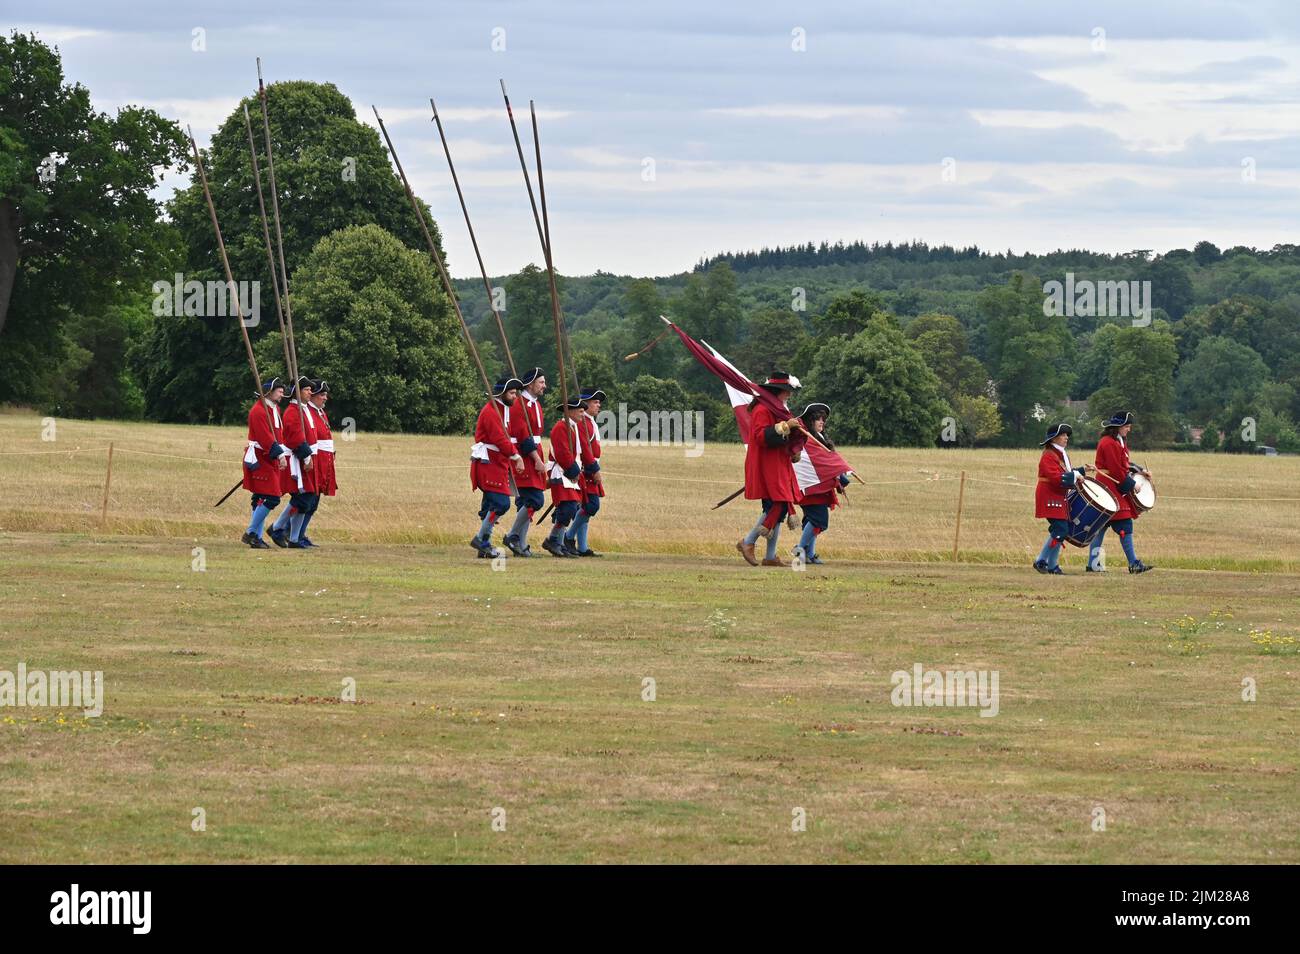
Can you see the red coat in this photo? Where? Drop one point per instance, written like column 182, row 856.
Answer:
column 564, row 438
column 299, row 436
column 1112, row 470
column 527, row 421
column 769, row 471
column 591, row 455
column 1049, row 498
column 493, row 474
column 264, row 440
column 326, row 482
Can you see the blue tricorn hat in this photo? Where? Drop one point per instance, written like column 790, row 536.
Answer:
column 504, row 384
column 591, row 394
column 573, row 404
column 1119, row 419
column 271, row 385
column 1056, row 431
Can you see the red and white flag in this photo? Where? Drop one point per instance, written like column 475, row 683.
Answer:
column 818, row 468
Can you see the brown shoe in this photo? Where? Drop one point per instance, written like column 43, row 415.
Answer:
column 775, row 563
column 747, row 551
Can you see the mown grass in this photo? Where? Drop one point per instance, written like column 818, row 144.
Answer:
column 522, row 690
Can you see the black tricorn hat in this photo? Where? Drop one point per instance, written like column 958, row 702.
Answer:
column 1119, row 419
column 271, row 385
column 504, row 384
column 573, row 404
column 1056, row 431
column 305, row 382
column 591, row 394
column 531, row 376
column 814, row 410
column 321, row 387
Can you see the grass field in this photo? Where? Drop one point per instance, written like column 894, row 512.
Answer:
column 522, row 690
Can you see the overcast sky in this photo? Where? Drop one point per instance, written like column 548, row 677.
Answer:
column 1107, row 125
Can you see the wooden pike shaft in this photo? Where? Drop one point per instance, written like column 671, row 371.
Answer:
column 230, row 279
column 270, row 255
column 279, row 235
column 487, row 285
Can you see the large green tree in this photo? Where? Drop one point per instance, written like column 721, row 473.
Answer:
column 79, row 227
column 378, row 326
column 1222, row 373
column 1141, row 380
column 331, row 171
column 879, row 387
column 1028, row 351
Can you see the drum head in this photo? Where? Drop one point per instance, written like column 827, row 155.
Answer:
column 1097, row 495
column 1144, row 492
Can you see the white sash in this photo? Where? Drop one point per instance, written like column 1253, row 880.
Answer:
column 557, row 472
column 479, row 451
column 326, row 445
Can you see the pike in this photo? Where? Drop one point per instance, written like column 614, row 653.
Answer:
column 230, row 280
column 437, row 260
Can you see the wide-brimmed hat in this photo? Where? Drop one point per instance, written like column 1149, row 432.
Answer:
column 1056, row 431
column 1119, row 419
column 504, row 384
column 781, row 381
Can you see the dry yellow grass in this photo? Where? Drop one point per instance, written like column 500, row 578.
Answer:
column 1215, row 511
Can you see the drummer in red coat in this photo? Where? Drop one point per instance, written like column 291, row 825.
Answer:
column 323, row 457
column 299, row 479
column 264, row 457
column 527, row 428
column 491, row 460
column 774, row 445
column 817, row 506
column 568, row 483
column 1055, row 478
column 1115, row 471
column 575, row 538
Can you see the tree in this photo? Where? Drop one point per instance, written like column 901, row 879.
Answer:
column 1220, row 374
column 846, row 315
column 648, row 393
column 595, row 369
column 879, row 388
column 709, row 309
column 1141, row 380
column 1028, row 351
column 377, row 325
column 1171, row 289
column 1205, row 253
column 643, row 305
column 977, row 418
column 942, row 341
column 331, row 172
column 775, row 336
column 78, row 226
column 530, row 322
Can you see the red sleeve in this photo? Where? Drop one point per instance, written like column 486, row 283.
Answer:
column 293, row 431
column 760, row 419
column 593, row 439
column 519, row 429
column 1108, row 460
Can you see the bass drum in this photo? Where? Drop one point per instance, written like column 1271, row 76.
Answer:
column 1143, row 494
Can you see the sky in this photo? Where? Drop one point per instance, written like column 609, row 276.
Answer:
column 675, row 130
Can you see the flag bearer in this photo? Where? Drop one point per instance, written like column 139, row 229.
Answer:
column 774, row 445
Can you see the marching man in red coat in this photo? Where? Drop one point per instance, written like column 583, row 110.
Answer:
column 1115, row 471
column 492, row 458
column 299, row 479
column 527, row 427
column 1055, row 478
column 575, row 538
column 568, row 484
column 323, row 456
column 263, row 459
column 774, row 445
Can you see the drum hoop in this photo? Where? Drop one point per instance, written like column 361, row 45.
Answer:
column 1140, row 483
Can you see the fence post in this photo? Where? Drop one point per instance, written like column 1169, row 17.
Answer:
column 108, row 479
column 961, row 499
